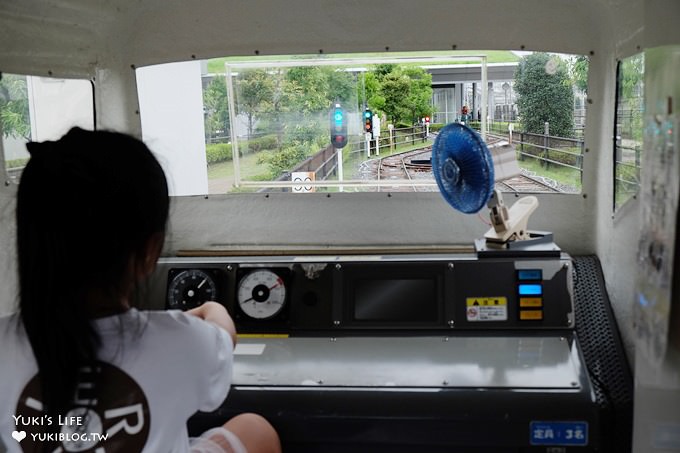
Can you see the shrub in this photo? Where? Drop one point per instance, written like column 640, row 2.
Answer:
column 259, row 144
column 217, row 152
column 283, row 160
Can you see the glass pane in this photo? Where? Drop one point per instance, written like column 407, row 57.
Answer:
column 328, row 123
column 37, row 109
column 545, row 105
column 629, row 129
column 266, row 123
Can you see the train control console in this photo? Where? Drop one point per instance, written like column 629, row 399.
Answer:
column 421, row 352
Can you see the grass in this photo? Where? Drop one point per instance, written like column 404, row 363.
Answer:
column 16, row 163
column 563, row 175
column 216, row 65
column 221, row 175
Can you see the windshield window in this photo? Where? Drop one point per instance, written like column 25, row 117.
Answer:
column 357, row 123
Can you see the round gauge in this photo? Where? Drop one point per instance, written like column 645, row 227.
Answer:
column 190, row 288
column 261, row 294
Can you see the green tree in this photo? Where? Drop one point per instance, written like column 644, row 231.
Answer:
column 310, row 84
column 216, row 107
column 579, row 72
column 632, row 74
column 340, row 85
column 545, row 94
column 255, row 89
column 419, row 101
column 285, row 94
column 395, row 88
column 370, row 92
column 14, row 114
column 402, row 93
column 383, row 69
column 320, row 86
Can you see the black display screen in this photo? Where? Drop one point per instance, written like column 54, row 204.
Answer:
column 395, row 300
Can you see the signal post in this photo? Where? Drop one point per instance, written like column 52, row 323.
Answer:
column 338, row 135
column 368, row 130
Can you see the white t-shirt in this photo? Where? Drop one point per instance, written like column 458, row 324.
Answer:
column 157, row 369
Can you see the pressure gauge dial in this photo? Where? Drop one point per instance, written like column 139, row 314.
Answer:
column 190, row 288
column 261, row 294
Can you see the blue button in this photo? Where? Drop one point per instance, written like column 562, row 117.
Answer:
column 530, row 274
column 526, row 289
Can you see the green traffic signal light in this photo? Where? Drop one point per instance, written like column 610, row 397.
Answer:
column 338, row 127
column 368, row 121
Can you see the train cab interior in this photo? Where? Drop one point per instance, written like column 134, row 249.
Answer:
column 426, row 243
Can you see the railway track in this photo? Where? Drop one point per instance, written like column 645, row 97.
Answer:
column 526, row 183
column 411, row 171
column 412, row 166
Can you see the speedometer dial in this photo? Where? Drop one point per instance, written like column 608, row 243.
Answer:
column 261, row 294
column 190, row 288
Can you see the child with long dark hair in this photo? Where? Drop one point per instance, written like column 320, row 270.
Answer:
column 80, row 369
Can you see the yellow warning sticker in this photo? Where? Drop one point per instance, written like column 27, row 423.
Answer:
column 487, row 309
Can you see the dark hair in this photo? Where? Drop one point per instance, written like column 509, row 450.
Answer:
column 87, row 206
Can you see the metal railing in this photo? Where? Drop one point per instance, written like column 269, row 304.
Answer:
column 324, row 162
column 628, row 163
column 551, row 150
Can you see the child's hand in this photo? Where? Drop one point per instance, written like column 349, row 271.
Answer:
column 215, row 313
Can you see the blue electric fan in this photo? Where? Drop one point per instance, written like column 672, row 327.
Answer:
column 463, row 168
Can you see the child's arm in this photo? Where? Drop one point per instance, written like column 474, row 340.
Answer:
column 216, row 314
